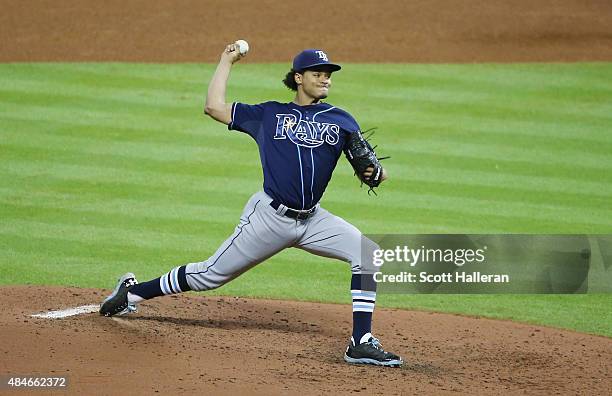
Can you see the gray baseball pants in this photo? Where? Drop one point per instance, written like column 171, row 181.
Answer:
column 264, row 231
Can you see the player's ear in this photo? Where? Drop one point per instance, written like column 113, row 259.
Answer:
column 298, row 78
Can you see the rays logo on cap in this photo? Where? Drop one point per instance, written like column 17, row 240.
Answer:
column 310, row 58
column 323, row 56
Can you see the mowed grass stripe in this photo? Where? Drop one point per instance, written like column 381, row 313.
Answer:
column 178, row 78
column 493, row 150
column 120, row 108
column 586, row 117
column 191, row 123
column 454, row 183
column 462, row 134
column 60, row 268
column 495, row 176
column 122, row 114
column 416, row 123
column 135, row 156
column 581, row 79
column 420, row 201
column 474, row 206
column 501, row 172
column 134, row 149
column 490, row 128
column 481, row 99
column 413, row 220
column 106, row 235
column 198, row 160
column 115, row 177
column 237, row 143
column 194, row 165
column 133, row 215
column 140, row 257
column 464, row 95
column 515, row 80
column 96, row 216
column 109, row 174
column 442, row 163
column 109, row 128
column 85, row 95
column 416, row 219
column 177, row 206
column 208, row 132
column 214, row 156
column 146, row 78
column 396, row 218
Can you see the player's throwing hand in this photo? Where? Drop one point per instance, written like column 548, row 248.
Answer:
column 232, row 53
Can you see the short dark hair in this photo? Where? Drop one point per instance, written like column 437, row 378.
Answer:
column 289, row 80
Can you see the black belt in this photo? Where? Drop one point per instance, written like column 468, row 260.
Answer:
column 294, row 214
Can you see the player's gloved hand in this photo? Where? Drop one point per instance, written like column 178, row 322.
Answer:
column 364, row 161
column 370, row 171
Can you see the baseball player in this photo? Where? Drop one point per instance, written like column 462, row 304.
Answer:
column 299, row 144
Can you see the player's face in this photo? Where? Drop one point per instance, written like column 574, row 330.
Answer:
column 315, row 83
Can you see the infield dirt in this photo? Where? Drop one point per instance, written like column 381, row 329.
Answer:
column 350, row 31
column 212, row 345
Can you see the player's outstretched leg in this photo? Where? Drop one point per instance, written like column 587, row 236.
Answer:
column 260, row 234
column 129, row 292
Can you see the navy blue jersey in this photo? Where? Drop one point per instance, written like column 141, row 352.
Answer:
column 299, row 146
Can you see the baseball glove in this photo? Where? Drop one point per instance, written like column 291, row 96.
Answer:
column 361, row 155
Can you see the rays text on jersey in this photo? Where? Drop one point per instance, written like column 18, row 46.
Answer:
column 306, row 133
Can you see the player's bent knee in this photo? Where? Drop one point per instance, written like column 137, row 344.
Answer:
column 364, row 263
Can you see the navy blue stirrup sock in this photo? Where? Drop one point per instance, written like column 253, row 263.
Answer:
column 172, row 282
column 363, row 291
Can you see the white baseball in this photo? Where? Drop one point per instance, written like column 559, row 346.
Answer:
column 243, row 46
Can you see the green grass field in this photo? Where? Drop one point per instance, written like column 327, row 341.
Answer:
column 113, row 167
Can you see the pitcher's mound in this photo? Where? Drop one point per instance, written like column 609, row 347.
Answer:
column 199, row 344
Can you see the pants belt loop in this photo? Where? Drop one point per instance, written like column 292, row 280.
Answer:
column 281, row 209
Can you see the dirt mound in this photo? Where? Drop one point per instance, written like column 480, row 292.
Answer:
column 211, row 344
column 361, row 31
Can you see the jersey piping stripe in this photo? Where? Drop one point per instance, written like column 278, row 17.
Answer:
column 231, row 125
column 312, row 181
column 300, row 159
column 301, row 173
column 231, row 243
column 313, row 166
column 319, row 240
column 322, row 111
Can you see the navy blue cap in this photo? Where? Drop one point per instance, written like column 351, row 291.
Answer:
column 311, row 58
